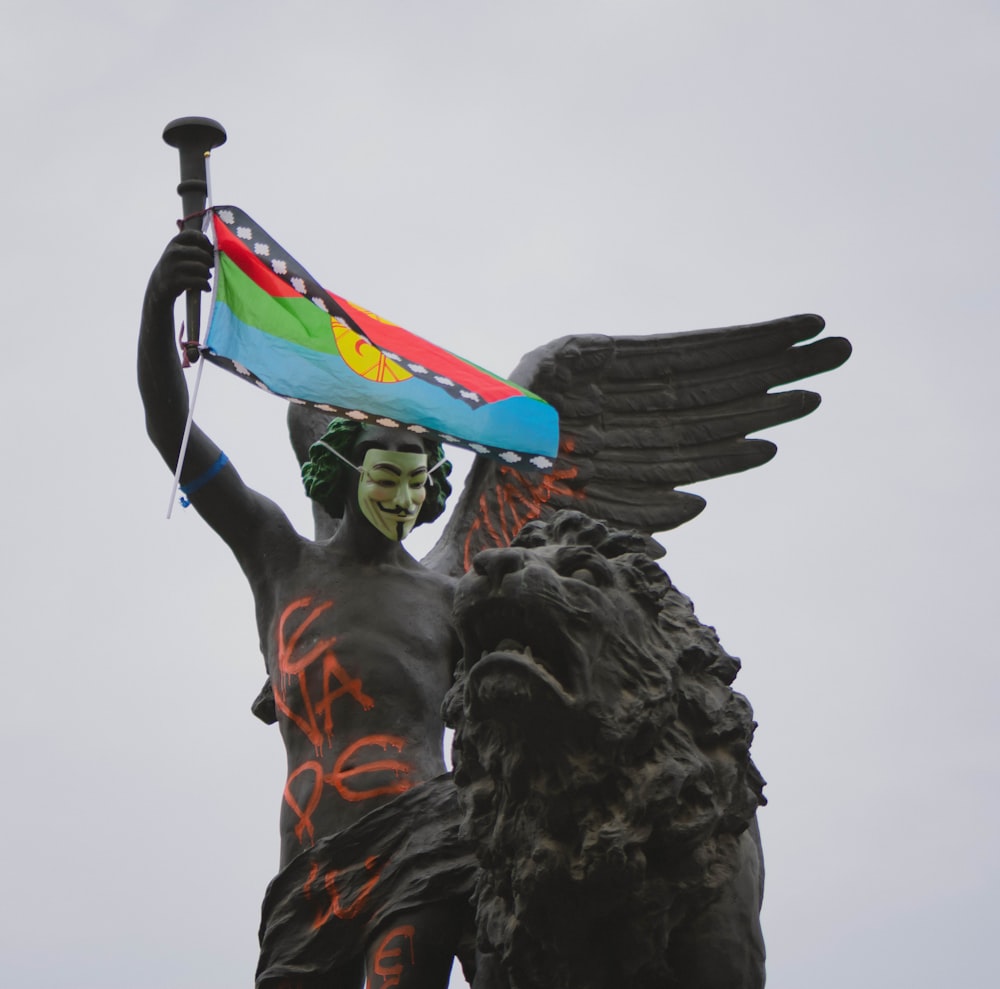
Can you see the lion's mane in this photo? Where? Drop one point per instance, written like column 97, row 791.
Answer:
column 602, row 756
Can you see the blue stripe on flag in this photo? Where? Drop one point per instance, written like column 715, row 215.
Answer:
column 518, row 423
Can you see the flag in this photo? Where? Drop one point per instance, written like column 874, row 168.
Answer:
column 273, row 324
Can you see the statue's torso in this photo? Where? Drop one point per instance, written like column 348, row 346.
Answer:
column 360, row 657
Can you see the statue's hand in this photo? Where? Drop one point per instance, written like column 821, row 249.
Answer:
column 185, row 264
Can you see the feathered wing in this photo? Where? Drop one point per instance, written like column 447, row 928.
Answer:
column 639, row 417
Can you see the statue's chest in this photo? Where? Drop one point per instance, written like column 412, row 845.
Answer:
column 344, row 653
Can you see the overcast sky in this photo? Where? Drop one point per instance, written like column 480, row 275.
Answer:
column 492, row 176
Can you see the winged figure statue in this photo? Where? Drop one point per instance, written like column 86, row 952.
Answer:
column 358, row 638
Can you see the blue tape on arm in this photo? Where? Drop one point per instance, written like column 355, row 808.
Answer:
column 202, row 479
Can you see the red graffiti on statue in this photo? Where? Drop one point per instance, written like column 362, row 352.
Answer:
column 517, row 499
column 341, row 776
column 308, row 719
column 389, row 961
column 302, row 654
column 331, row 883
column 304, row 815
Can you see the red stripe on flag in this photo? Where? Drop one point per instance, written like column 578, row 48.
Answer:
column 396, row 340
column 249, row 263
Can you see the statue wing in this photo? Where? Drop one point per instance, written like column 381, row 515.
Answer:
column 641, row 416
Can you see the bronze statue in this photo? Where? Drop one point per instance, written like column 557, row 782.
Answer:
column 358, row 638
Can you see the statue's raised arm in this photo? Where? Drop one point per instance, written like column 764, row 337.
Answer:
column 249, row 523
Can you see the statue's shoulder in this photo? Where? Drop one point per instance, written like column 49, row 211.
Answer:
column 439, row 584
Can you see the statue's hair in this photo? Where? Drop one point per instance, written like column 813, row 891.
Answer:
column 330, row 481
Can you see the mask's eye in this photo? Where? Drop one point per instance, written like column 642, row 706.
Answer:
column 383, row 478
column 585, row 575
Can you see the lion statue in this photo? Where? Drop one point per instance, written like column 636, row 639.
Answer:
column 604, row 771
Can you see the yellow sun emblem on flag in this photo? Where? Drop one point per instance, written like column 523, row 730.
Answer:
column 364, row 358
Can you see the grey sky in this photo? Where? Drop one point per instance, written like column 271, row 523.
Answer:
column 492, row 176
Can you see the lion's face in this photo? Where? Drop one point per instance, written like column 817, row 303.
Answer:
column 541, row 626
column 561, row 633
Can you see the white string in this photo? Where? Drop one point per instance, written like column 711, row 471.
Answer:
column 208, row 229
column 186, row 437
column 209, row 202
column 337, row 453
column 361, row 470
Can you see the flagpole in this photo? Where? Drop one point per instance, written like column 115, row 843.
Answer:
column 194, row 138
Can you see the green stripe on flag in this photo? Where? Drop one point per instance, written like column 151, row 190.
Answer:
column 291, row 318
